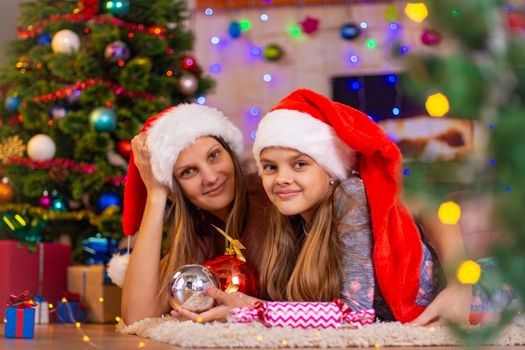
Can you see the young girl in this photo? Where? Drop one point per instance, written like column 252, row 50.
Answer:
column 188, row 154
column 339, row 228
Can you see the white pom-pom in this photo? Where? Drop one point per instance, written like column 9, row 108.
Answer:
column 117, row 267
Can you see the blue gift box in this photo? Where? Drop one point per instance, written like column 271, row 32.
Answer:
column 70, row 312
column 20, row 322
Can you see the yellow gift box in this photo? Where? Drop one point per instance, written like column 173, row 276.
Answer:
column 102, row 299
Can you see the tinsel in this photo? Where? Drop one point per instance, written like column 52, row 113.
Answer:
column 82, row 85
column 53, row 215
column 36, row 28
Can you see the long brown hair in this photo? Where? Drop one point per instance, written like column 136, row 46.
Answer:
column 302, row 268
column 182, row 242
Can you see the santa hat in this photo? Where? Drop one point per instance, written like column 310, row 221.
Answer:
column 168, row 133
column 326, row 124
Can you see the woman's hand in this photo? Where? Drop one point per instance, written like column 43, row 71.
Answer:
column 142, row 159
column 218, row 313
column 451, row 304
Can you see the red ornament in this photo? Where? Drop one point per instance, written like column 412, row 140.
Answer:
column 516, row 21
column 430, row 37
column 124, row 148
column 309, row 25
column 234, row 274
column 188, row 62
column 88, row 8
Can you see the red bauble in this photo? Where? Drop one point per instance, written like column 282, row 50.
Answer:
column 124, row 148
column 430, row 37
column 233, row 272
column 189, row 63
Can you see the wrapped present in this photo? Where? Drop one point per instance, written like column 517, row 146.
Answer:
column 70, row 309
column 102, row 298
column 20, row 316
column 99, row 250
column 42, row 311
column 306, row 315
column 43, row 272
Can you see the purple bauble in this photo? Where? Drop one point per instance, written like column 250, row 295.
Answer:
column 430, row 37
column 116, row 51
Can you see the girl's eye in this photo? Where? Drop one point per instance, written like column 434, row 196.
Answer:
column 187, row 172
column 299, row 164
column 268, row 168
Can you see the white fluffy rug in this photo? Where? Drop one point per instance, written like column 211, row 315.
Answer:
column 224, row 335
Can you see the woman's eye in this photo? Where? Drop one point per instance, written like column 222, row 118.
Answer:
column 213, row 155
column 187, row 172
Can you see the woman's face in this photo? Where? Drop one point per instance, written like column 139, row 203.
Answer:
column 294, row 182
column 205, row 173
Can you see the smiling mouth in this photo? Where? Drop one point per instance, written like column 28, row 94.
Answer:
column 217, row 190
column 286, row 194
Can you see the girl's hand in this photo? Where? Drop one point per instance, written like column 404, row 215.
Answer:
column 219, row 313
column 142, row 158
column 451, row 304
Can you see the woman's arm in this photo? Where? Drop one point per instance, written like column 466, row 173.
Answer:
column 140, row 289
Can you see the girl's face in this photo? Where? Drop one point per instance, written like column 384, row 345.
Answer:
column 205, row 173
column 294, row 182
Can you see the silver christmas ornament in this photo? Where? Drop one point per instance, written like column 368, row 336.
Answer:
column 188, row 284
column 188, row 84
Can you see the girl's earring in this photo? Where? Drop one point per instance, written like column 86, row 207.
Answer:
column 332, row 182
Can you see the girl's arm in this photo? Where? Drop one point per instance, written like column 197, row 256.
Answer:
column 452, row 303
column 355, row 232
column 140, row 289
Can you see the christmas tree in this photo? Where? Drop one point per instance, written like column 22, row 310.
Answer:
column 82, row 78
column 482, row 79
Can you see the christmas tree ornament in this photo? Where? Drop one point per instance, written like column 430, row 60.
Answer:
column 234, row 29
column 273, row 52
column 108, row 199
column 58, row 204
column 188, row 84
column 88, row 8
column 12, row 147
column 187, row 285
column 45, row 200
column 73, row 98
column 44, row 39
column 349, row 31
column 234, row 273
column 103, row 119
column 124, row 148
column 7, row 193
column 430, row 37
column 58, row 112
column 117, row 7
column 41, row 147
column 188, row 63
column 65, row 41
column 12, row 103
column 23, row 64
column 116, row 51
column 309, row 25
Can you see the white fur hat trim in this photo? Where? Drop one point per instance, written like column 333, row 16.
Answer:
column 293, row 129
column 179, row 127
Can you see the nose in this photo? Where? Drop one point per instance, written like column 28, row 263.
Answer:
column 209, row 175
column 283, row 178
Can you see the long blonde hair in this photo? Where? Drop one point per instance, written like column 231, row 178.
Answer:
column 182, row 242
column 296, row 271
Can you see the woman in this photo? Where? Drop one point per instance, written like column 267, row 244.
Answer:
column 187, row 154
column 340, row 232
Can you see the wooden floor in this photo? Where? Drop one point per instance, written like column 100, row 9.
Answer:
column 66, row 337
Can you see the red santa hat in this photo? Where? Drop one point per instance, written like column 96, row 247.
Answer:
column 168, row 133
column 320, row 128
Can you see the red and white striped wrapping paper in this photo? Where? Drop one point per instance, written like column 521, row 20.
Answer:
column 306, row 315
